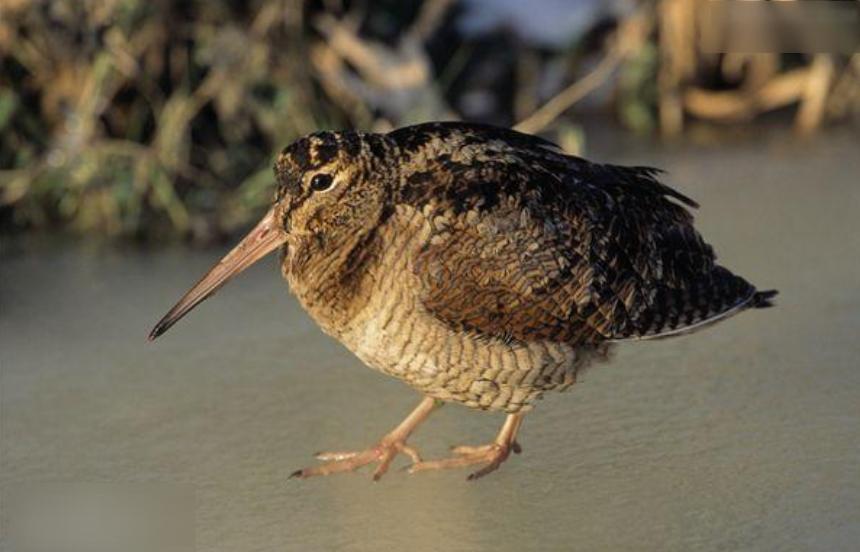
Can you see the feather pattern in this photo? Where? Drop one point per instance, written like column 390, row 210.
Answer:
column 528, row 243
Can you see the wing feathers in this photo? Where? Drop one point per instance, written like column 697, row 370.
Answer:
column 539, row 245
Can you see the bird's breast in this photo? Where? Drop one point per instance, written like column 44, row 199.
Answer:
column 394, row 333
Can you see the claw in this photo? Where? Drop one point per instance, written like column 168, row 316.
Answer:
column 490, row 467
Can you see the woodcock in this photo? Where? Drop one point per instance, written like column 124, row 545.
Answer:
column 480, row 265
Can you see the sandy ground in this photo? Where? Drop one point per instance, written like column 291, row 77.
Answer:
column 742, row 437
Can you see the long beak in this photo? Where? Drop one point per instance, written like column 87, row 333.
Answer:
column 262, row 240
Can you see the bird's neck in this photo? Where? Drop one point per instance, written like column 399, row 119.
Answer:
column 329, row 278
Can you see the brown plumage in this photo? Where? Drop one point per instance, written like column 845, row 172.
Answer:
column 479, row 265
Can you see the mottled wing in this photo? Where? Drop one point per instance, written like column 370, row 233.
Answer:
column 501, row 275
column 556, row 248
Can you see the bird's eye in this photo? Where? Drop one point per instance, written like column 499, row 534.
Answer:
column 321, row 182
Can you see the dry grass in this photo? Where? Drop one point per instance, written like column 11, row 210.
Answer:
column 139, row 118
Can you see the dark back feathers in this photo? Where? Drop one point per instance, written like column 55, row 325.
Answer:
column 529, row 243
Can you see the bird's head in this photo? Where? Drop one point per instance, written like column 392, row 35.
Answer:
column 331, row 188
column 330, row 185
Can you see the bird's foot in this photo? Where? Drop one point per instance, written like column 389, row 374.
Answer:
column 491, row 455
column 382, row 453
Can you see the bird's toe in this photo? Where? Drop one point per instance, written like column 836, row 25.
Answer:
column 491, row 455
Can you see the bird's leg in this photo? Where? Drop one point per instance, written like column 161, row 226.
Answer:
column 491, row 455
column 382, row 453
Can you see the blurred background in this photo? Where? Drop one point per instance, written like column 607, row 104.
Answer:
column 136, row 143
column 156, row 120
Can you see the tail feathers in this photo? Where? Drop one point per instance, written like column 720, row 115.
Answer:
column 762, row 299
column 669, row 328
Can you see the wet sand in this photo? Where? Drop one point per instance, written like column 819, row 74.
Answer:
column 743, row 437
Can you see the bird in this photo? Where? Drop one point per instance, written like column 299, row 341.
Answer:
column 479, row 265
